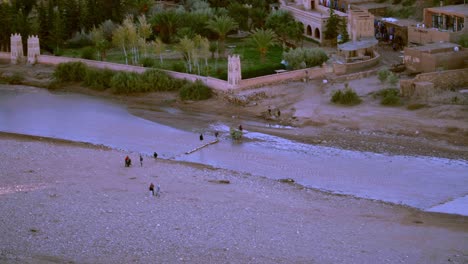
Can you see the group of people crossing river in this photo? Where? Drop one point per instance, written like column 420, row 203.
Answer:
column 155, row 190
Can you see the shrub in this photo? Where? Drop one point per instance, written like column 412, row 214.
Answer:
column 125, row 83
column 389, row 97
column 79, row 40
column 261, row 71
column 148, row 62
column 391, row 100
column 388, row 92
column 88, row 53
column 98, row 79
column 305, row 58
column 383, row 74
column 195, row 91
column 415, row 106
column 408, row 2
column 70, row 72
column 15, row 78
column 463, row 41
column 346, row 97
column 392, row 79
column 236, row 134
column 178, row 67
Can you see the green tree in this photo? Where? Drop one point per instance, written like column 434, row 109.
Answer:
column 300, row 58
column 344, row 30
column 332, row 26
column 222, row 25
column 187, row 47
column 158, row 47
column 263, row 39
column 237, row 11
column 58, row 32
column 6, row 17
column 165, row 24
column 257, row 17
column 286, row 28
column 463, row 41
column 120, row 40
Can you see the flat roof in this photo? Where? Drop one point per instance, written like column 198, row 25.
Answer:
column 434, row 46
column 461, row 10
column 368, row 5
column 356, row 45
column 398, row 21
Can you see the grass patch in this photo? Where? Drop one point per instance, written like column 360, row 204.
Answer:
column 15, row 78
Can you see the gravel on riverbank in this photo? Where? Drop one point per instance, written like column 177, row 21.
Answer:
column 64, row 202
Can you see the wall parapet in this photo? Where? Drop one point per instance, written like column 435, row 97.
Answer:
column 345, row 68
column 302, row 74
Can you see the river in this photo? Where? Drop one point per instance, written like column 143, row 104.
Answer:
column 426, row 183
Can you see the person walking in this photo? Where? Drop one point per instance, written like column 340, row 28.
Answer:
column 158, row 190
column 241, row 128
column 151, row 188
column 155, row 155
column 201, row 137
column 141, row 160
column 128, row 161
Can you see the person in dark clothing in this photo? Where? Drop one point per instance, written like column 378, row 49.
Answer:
column 216, row 134
column 201, row 137
column 141, row 160
column 240, row 127
column 279, row 113
column 151, row 188
column 155, row 155
column 128, row 161
column 269, row 111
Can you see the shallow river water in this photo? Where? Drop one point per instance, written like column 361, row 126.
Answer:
column 427, row 183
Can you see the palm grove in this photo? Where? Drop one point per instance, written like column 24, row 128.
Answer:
column 141, row 31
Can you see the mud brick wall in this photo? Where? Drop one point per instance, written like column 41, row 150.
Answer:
column 441, row 80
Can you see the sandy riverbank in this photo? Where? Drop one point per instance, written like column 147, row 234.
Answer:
column 81, row 205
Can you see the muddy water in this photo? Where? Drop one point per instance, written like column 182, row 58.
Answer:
column 427, row 183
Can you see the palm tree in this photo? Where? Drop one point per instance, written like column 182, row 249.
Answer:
column 166, row 24
column 221, row 25
column 263, row 39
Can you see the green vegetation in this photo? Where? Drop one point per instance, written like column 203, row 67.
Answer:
column 98, row 79
column 389, row 97
column 15, row 78
column 305, row 58
column 385, row 75
column 70, row 72
column 128, row 82
column 347, row 96
column 236, row 134
column 195, row 91
column 463, row 41
column 332, row 27
column 415, row 106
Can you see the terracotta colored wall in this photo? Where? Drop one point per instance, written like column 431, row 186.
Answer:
column 442, row 80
